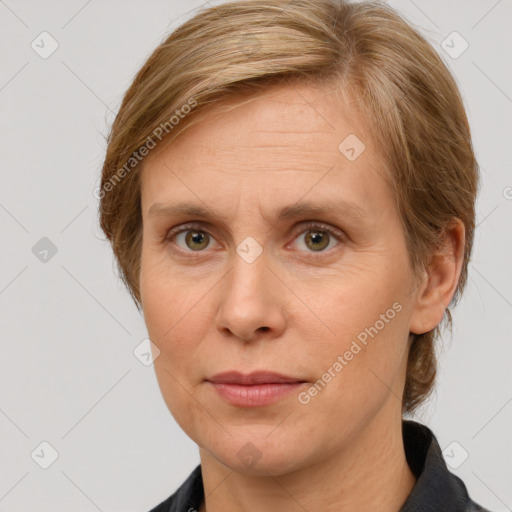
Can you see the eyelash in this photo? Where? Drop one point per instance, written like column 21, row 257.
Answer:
column 311, row 226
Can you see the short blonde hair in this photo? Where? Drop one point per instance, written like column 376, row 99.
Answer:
column 404, row 90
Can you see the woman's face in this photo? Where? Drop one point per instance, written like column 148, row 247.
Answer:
column 299, row 266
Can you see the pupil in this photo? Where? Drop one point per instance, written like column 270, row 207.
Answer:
column 196, row 238
column 318, row 239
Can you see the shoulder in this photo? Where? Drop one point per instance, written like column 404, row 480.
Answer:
column 187, row 498
column 165, row 506
column 436, row 488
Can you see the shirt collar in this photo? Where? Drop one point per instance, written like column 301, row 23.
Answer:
column 436, row 489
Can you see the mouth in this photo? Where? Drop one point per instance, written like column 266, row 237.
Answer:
column 255, row 389
column 250, row 379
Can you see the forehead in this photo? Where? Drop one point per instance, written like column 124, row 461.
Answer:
column 285, row 143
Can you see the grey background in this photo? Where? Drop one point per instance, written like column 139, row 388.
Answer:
column 68, row 375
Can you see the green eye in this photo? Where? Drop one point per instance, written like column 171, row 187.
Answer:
column 196, row 240
column 312, row 238
column 317, row 240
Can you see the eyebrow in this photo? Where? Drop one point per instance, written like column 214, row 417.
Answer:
column 337, row 206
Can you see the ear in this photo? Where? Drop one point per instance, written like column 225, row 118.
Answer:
column 440, row 279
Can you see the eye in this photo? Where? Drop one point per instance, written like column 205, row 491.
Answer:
column 312, row 238
column 318, row 237
column 190, row 237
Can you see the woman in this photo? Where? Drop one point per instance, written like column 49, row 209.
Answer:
column 289, row 189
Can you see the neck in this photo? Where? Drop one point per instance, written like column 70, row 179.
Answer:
column 369, row 473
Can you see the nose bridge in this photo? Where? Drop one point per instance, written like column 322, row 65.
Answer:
column 249, row 271
column 248, row 302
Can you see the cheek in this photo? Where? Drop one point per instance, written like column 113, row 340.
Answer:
column 173, row 319
column 177, row 317
column 173, row 322
column 360, row 360
column 343, row 305
column 163, row 297
column 179, row 396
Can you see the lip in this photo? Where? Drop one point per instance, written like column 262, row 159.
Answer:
column 255, row 389
column 249, row 379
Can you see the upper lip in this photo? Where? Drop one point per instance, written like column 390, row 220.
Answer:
column 257, row 377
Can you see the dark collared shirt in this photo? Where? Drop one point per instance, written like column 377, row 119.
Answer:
column 436, row 489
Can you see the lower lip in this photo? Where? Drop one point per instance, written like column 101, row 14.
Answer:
column 255, row 395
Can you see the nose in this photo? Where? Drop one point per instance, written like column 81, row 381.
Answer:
column 251, row 306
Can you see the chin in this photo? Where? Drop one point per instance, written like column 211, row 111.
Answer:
column 259, row 454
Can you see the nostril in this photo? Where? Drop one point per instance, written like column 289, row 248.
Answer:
column 263, row 329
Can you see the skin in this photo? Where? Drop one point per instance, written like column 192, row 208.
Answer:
column 204, row 309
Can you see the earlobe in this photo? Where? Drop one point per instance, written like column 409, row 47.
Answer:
column 440, row 280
